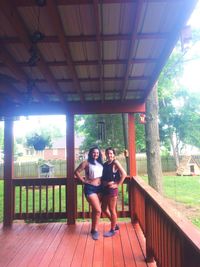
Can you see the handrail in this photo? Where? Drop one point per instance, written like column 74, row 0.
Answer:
column 170, row 238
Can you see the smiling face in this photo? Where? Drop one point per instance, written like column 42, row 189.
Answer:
column 95, row 154
column 110, row 155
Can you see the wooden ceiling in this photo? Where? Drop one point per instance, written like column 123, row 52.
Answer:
column 97, row 54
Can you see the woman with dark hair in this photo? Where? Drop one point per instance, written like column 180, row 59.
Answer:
column 113, row 176
column 93, row 168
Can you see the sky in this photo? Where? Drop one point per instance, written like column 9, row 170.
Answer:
column 191, row 79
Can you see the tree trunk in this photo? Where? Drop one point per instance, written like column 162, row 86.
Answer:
column 154, row 167
column 175, row 150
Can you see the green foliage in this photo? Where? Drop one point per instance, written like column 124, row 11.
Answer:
column 179, row 112
column 1, row 136
column 88, row 126
column 140, row 138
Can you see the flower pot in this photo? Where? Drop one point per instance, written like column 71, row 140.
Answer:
column 39, row 145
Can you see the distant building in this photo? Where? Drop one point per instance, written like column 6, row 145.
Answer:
column 58, row 149
column 56, row 152
column 188, row 166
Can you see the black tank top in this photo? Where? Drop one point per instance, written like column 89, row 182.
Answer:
column 108, row 174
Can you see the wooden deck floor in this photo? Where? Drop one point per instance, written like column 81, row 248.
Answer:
column 57, row 244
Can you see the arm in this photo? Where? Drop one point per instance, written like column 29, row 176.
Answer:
column 122, row 172
column 78, row 171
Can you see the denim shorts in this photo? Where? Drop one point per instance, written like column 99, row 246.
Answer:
column 92, row 189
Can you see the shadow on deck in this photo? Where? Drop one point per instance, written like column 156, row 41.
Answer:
column 59, row 244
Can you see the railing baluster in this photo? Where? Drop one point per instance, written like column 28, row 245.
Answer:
column 20, row 201
column 47, row 209
column 33, row 192
column 60, row 202
column 26, row 202
column 53, row 200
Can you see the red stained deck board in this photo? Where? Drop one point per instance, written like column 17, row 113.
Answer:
column 59, row 244
column 126, row 247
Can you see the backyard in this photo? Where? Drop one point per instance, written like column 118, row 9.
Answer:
column 182, row 192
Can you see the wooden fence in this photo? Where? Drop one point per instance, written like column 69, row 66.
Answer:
column 31, row 169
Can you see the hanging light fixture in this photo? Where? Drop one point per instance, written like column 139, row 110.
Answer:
column 34, row 56
column 37, row 35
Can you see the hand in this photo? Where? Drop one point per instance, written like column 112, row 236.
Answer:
column 113, row 185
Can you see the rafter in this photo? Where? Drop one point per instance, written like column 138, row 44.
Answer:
column 9, row 61
column 99, row 49
column 92, row 62
column 106, row 79
column 58, row 26
column 14, row 18
column 92, row 38
column 132, row 43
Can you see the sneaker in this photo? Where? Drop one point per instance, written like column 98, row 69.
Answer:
column 95, row 235
column 116, row 227
column 109, row 234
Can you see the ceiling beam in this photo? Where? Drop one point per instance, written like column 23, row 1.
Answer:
column 9, row 62
column 91, row 107
column 10, row 11
column 99, row 48
column 132, row 43
column 30, row 3
column 92, row 38
column 91, row 62
column 105, row 79
column 58, row 27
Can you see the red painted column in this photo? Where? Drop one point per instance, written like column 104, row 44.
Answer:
column 132, row 164
column 71, row 186
column 132, row 146
column 8, row 172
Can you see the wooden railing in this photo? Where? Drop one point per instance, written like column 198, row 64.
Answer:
column 171, row 240
column 39, row 198
column 46, row 199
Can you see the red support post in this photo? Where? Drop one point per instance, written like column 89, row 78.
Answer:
column 71, row 186
column 132, row 163
column 8, row 172
column 132, row 148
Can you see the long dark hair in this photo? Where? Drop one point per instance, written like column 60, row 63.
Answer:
column 90, row 158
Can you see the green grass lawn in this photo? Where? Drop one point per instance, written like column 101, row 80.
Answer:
column 184, row 189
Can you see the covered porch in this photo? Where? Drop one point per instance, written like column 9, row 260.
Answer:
column 96, row 57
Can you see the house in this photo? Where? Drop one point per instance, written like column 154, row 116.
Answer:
column 58, row 149
column 188, row 166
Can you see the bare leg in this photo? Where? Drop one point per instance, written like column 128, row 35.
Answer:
column 105, row 208
column 112, row 202
column 93, row 200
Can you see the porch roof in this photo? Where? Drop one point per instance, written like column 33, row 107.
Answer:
column 94, row 53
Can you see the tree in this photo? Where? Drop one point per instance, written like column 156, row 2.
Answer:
column 179, row 110
column 102, row 130
column 87, row 126
column 1, row 137
column 154, row 167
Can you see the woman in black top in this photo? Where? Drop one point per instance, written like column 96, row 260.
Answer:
column 113, row 176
